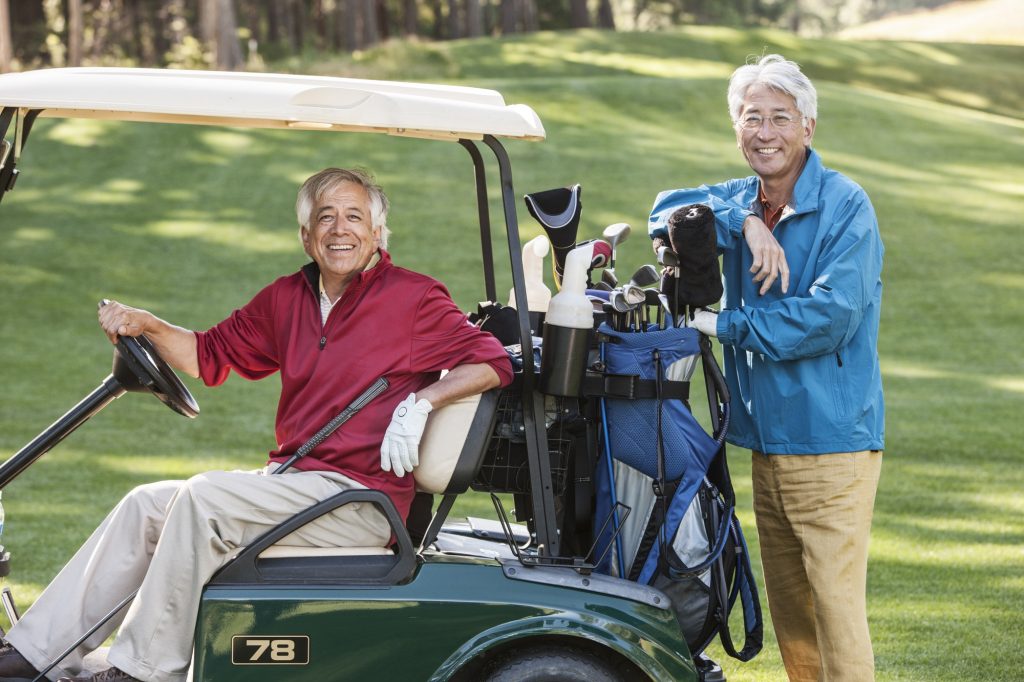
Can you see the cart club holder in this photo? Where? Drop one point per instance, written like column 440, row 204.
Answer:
column 597, row 383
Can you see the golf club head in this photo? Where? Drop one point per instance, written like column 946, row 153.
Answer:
column 558, row 212
column 633, row 295
column 667, row 258
column 615, row 234
column 608, row 277
column 645, row 276
column 618, row 301
column 603, row 286
column 669, row 317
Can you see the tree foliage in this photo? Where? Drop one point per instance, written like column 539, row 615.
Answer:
column 233, row 34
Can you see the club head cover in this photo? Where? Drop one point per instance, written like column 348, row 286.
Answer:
column 691, row 233
column 558, row 212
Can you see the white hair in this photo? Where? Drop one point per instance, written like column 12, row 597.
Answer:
column 779, row 74
column 324, row 182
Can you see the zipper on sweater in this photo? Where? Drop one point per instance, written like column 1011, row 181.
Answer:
column 839, row 359
column 323, row 342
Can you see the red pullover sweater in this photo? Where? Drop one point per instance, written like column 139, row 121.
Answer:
column 390, row 322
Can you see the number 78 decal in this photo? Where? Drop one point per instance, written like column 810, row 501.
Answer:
column 269, row 650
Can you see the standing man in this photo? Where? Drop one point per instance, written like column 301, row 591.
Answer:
column 802, row 262
column 331, row 329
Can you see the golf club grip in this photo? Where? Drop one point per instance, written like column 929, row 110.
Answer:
column 320, row 436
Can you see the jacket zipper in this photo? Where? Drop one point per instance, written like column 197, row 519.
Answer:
column 839, row 359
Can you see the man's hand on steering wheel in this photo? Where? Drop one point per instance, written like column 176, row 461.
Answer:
column 117, row 319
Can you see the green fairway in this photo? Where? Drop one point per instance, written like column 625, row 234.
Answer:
column 190, row 222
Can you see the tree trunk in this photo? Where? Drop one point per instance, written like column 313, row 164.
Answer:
column 320, row 23
column 436, row 30
column 528, row 10
column 454, row 26
column 353, row 34
column 579, row 17
column 288, row 25
column 509, row 16
column 371, row 33
column 474, row 19
column 410, row 18
column 229, row 52
column 75, row 32
column 605, row 15
column 208, row 23
column 6, row 48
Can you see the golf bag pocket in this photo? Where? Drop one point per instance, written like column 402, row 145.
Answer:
column 701, row 562
column 633, row 424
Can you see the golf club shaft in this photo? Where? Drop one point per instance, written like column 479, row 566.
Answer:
column 330, row 427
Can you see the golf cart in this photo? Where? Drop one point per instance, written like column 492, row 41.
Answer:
column 472, row 601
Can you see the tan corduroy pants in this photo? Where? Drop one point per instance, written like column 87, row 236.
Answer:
column 167, row 539
column 814, row 520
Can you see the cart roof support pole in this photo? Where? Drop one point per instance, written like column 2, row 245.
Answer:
column 484, row 217
column 533, row 402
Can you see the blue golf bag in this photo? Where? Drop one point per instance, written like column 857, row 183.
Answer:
column 681, row 534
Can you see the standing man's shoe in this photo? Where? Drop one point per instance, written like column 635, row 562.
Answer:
column 108, row 675
column 14, row 667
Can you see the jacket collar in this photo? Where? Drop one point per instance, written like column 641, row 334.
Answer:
column 808, row 185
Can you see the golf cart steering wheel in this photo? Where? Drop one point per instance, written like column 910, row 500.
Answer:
column 138, row 367
column 154, row 374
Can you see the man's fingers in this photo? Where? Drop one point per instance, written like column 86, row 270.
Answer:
column 398, row 457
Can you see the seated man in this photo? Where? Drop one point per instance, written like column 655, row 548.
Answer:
column 331, row 329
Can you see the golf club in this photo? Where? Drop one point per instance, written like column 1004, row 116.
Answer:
column 667, row 258
column 615, row 234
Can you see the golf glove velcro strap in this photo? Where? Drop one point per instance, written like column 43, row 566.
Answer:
column 706, row 322
column 400, row 449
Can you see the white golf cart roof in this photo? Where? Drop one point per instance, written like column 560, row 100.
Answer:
column 263, row 100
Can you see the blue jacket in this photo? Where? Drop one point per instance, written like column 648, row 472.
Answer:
column 802, row 367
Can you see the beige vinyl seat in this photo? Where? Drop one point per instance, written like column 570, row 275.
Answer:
column 453, row 446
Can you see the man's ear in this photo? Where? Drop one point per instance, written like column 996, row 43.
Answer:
column 809, row 131
column 304, row 236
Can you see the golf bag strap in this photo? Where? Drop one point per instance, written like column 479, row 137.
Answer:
column 632, row 387
column 743, row 587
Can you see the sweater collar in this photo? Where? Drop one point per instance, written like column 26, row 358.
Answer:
column 380, row 262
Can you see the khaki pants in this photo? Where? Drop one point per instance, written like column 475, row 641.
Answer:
column 814, row 520
column 167, row 539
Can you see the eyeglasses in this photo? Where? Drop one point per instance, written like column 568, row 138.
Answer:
column 755, row 121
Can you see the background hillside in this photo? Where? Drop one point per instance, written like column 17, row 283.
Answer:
column 189, row 222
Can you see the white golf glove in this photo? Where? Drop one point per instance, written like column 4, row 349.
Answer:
column 706, row 322
column 400, row 449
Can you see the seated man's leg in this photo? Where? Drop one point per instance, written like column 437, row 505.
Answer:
column 108, row 567
column 211, row 517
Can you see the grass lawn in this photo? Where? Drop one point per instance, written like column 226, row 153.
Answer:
column 190, row 222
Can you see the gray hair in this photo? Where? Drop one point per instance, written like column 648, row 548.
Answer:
column 324, row 182
column 779, row 74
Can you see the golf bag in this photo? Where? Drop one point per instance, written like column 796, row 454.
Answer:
column 681, row 534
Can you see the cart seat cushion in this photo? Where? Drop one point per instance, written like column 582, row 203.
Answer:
column 287, row 551
column 453, row 444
